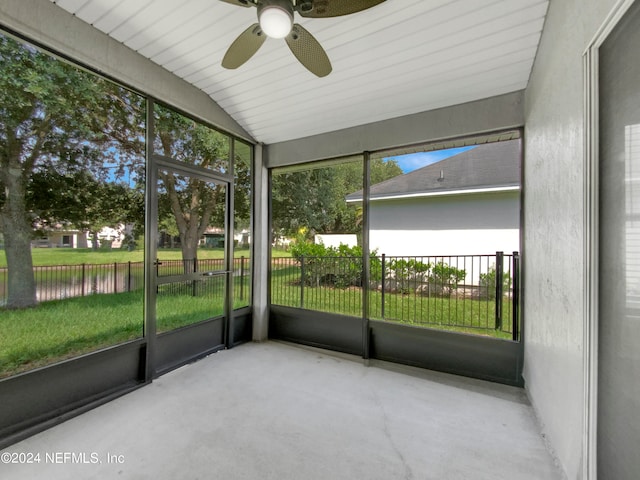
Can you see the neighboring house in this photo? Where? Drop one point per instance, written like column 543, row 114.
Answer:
column 467, row 204
column 64, row 237
column 213, row 237
column 60, row 237
column 111, row 237
column 242, row 238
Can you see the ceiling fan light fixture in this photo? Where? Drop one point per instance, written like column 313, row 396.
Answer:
column 275, row 21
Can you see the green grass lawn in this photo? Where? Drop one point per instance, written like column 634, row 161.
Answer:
column 78, row 256
column 456, row 315
column 60, row 329
column 53, row 331
column 443, row 313
column 56, row 330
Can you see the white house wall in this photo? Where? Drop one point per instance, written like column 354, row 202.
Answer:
column 475, row 224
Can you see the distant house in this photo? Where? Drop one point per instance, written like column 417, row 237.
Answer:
column 467, row 204
column 61, row 236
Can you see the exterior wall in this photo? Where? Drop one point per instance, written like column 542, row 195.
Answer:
column 474, row 224
column 553, row 265
column 57, row 239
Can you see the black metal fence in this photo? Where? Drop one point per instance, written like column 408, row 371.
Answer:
column 459, row 292
column 57, row 282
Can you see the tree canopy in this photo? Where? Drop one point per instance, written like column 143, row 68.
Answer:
column 80, row 200
column 188, row 202
column 64, row 125
column 314, row 198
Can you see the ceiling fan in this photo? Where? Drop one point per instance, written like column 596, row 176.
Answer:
column 275, row 20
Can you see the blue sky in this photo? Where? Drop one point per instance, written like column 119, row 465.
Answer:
column 413, row 161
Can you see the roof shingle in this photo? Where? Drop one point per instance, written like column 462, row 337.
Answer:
column 491, row 165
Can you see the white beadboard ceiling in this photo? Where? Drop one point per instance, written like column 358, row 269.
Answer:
column 398, row 58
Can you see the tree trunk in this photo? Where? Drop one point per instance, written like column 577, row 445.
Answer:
column 94, row 241
column 17, row 237
column 189, row 245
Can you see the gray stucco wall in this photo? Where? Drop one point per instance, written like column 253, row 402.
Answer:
column 553, row 263
column 51, row 26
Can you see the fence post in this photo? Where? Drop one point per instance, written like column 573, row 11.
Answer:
column 3, row 284
column 194, row 285
column 384, row 276
column 499, row 293
column 129, row 277
column 302, row 281
column 115, row 277
column 242, row 278
column 515, row 296
column 83, row 278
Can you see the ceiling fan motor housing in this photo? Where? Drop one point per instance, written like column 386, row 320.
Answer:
column 276, row 20
column 305, row 6
column 284, row 5
column 275, row 17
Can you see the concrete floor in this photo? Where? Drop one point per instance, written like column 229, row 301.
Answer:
column 278, row 411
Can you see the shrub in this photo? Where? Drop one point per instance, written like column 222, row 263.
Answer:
column 312, row 256
column 308, row 249
column 444, row 279
column 328, row 266
column 488, row 283
column 407, row 275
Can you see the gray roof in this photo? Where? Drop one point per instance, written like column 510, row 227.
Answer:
column 491, row 165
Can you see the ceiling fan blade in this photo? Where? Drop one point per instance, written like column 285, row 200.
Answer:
column 308, row 51
column 240, row 3
column 243, row 47
column 333, row 8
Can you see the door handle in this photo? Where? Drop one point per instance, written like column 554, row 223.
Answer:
column 213, row 274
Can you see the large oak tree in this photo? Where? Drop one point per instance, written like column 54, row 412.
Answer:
column 56, row 119
column 314, row 198
column 188, row 202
